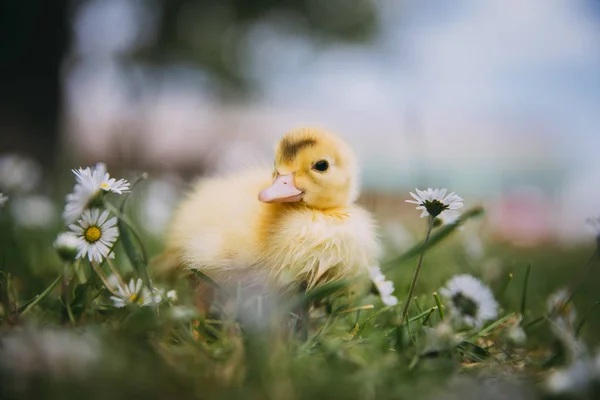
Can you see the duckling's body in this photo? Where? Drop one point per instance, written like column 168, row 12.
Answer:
column 285, row 235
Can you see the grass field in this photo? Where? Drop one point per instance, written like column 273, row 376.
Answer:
column 63, row 334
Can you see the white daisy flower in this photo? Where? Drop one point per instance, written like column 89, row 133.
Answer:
column 135, row 293
column 33, row 212
column 447, row 218
column 562, row 316
column 389, row 300
column 469, row 300
column 67, row 245
column 3, row 199
column 19, row 174
column 384, row 287
column 113, row 282
column 398, row 237
column 172, row 295
column 90, row 185
column 183, row 313
column 561, row 310
column 574, row 379
column 96, row 234
column 517, row 335
column 158, row 203
column 474, row 245
column 434, row 202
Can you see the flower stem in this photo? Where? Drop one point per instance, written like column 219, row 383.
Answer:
column 102, row 277
column 66, row 293
column 45, row 293
column 417, row 271
column 78, row 268
column 115, row 272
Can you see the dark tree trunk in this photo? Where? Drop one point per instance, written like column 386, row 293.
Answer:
column 33, row 39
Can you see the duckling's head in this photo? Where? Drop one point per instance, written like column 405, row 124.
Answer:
column 315, row 167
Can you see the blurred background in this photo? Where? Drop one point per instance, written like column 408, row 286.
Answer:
column 496, row 100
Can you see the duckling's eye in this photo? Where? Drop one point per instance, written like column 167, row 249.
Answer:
column 321, row 166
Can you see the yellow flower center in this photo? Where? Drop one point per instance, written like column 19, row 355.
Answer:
column 133, row 297
column 104, row 185
column 92, row 234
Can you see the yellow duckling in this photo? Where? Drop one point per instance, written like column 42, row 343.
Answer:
column 296, row 223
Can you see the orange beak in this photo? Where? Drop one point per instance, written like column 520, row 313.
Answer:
column 282, row 190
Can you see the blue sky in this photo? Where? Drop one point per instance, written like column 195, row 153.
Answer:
column 497, row 85
column 535, row 62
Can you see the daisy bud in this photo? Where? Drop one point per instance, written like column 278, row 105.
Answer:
column 66, row 245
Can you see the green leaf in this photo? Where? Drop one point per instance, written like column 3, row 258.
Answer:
column 132, row 243
column 81, row 294
column 136, row 257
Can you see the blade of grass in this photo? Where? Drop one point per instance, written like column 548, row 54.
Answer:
column 425, row 320
column 204, row 278
column 534, row 322
column 490, row 327
column 407, row 323
column 438, row 302
column 308, row 344
column 315, row 294
column 585, row 318
column 416, row 301
column 365, row 307
column 525, row 287
column 524, row 295
column 11, row 312
column 42, row 295
column 435, row 238
column 474, row 352
column 507, row 282
column 580, row 278
column 423, row 314
column 366, row 321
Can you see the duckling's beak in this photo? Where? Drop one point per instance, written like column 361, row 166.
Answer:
column 282, row 190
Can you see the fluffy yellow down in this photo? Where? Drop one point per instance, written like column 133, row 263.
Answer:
column 224, row 231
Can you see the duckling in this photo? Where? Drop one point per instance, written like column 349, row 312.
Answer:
column 297, row 222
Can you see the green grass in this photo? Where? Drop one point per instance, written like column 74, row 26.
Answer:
column 352, row 349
